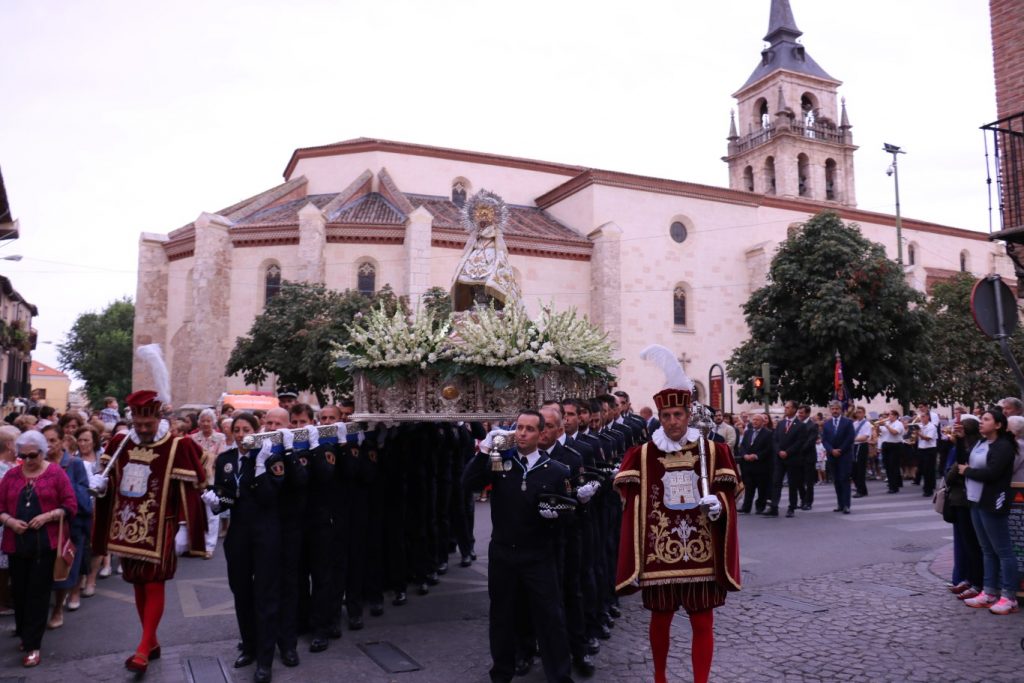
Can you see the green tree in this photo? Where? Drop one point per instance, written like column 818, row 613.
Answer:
column 438, row 302
column 964, row 366
column 830, row 289
column 98, row 349
column 295, row 337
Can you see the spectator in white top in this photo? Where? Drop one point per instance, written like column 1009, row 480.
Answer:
column 890, row 441
column 861, row 445
column 927, row 450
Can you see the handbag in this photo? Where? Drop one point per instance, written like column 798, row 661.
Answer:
column 939, row 499
column 65, row 555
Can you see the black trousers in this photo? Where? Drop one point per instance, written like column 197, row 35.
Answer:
column 810, row 461
column 926, row 468
column 253, row 554
column 570, row 560
column 755, row 480
column 529, row 576
column 291, row 582
column 860, row 468
column 791, row 468
column 31, row 582
column 891, row 453
column 320, row 553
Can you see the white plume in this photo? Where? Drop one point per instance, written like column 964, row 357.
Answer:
column 675, row 377
column 153, row 358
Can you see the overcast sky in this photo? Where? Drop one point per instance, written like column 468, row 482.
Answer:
column 121, row 117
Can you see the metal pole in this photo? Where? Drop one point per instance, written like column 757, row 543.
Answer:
column 1002, row 336
column 894, row 150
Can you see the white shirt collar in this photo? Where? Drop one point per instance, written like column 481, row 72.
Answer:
column 561, row 439
column 161, row 432
column 531, row 459
column 666, row 445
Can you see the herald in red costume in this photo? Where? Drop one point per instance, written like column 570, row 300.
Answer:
column 674, row 550
column 152, row 487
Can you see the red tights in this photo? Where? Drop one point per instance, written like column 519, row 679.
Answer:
column 149, row 601
column 701, row 650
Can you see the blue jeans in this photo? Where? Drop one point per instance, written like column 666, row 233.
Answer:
column 997, row 551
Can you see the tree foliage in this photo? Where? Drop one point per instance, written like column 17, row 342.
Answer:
column 963, row 365
column 98, row 349
column 831, row 289
column 296, row 335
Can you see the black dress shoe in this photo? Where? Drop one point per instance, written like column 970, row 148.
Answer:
column 334, row 631
column 758, row 512
column 593, row 647
column 614, row 611
column 805, row 507
column 837, row 509
column 859, row 495
column 262, row 674
column 790, row 513
column 466, row 561
column 472, row 555
column 523, row 666
column 318, row 644
column 400, row 599
column 355, row 623
column 423, row 589
column 846, row 511
column 584, row 665
column 442, row 568
column 774, row 512
column 244, row 660
column 376, row 610
column 603, row 632
column 290, row 658
column 743, row 512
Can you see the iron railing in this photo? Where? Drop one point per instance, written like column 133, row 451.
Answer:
column 1004, row 158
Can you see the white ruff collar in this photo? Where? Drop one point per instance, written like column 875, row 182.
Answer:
column 667, row 445
column 161, row 432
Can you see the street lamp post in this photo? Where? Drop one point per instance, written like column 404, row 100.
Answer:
column 894, row 171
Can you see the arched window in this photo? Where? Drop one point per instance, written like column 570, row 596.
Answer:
column 964, row 262
column 830, row 179
column 679, row 316
column 911, row 254
column 271, row 282
column 366, row 278
column 761, row 109
column 769, row 175
column 460, row 189
column 748, row 178
column 803, row 174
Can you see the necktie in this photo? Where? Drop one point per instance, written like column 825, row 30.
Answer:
column 835, row 423
column 525, row 462
column 788, row 424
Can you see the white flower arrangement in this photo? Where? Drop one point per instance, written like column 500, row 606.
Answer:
column 379, row 340
column 576, row 341
column 500, row 339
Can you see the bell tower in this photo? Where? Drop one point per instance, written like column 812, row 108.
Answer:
column 790, row 138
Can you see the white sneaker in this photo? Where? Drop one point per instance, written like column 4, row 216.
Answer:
column 982, row 600
column 1004, row 606
column 105, row 571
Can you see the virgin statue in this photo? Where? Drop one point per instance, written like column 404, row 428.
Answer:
column 484, row 274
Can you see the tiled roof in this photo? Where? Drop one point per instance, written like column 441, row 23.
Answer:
column 286, row 213
column 44, row 370
column 524, row 221
column 370, row 209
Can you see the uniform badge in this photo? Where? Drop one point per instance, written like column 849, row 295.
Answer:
column 507, row 465
column 372, row 455
column 303, row 461
column 228, row 467
column 568, row 487
column 277, row 469
column 329, row 457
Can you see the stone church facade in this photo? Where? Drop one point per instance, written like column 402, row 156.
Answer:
column 649, row 259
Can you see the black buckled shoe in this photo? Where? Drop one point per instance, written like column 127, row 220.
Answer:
column 244, row 660
column 262, row 674
column 400, row 599
column 318, row 644
column 584, row 665
column 290, row 658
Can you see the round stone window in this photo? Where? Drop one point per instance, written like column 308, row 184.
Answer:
column 678, row 232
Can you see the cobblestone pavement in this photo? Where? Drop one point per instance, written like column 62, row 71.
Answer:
column 885, row 622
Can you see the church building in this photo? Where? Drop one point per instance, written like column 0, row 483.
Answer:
column 648, row 259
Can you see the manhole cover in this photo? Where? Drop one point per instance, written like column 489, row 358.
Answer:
column 389, row 657
column 205, row 670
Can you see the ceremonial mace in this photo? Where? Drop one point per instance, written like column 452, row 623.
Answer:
column 106, row 470
column 700, row 417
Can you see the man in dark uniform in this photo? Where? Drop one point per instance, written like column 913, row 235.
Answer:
column 809, row 456
column 636, row 423
column 522, row 549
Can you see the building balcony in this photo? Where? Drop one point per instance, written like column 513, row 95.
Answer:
column 1004, row 159
column 822, row 131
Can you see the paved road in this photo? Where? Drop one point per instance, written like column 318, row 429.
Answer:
column 827, row 597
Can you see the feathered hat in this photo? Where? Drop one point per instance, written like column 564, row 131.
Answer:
column 678, row 391
column 146, row 402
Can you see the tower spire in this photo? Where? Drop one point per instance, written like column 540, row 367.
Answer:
column 781, row 24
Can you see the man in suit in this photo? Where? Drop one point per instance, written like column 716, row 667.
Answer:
column 756, row 458
column 837, row 437
column 652, row 422
column 788, row 463
column 809, row 456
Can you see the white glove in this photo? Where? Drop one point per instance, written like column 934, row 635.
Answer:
column 549, row 514
column 342, row 431
column 98, row 483
column 488, row 443
column 313, row 437
column 712, row 505
column 287, row 438
column 615, row 472
column 261, row 457
column 587, row 491
column 211, row 499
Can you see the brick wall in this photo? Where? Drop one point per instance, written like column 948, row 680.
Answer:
column 1008, row 54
